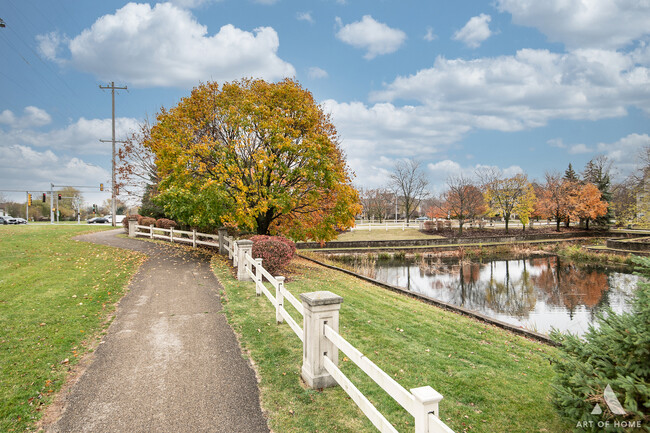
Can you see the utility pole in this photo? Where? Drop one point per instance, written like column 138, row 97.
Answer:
column 51, row 203
column 113, row 204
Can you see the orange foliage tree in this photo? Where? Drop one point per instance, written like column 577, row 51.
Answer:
column 589, row 204
column 261, row 156
column 463, row 200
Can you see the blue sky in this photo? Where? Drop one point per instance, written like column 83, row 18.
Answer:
column 523, row 85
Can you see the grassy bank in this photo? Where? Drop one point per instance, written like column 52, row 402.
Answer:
column 379, row 234
column 55, row 297
column 491, row 380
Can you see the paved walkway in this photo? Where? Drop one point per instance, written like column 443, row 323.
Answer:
column 169, row 362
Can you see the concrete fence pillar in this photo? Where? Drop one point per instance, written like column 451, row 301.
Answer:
column 259, row 277
column 132, row 228
column 426, row 402
column 231, row 247
column 222, row 240
column 279, row 299
column 320, row 308
column 243, row 247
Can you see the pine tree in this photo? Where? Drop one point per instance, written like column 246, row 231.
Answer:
column 570, row 174
column 597, row 172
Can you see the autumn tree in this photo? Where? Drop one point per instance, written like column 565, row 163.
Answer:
column 509, row 196
column 411, row 185
column 261, row 156
column 552, row 201
column 589, row 204
column 463, row 200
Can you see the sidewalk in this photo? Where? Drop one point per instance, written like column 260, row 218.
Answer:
column 169, row 362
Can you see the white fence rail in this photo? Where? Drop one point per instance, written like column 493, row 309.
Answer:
column 195, row 238
column 321, row 342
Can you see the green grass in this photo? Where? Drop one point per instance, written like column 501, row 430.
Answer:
column 378, row 234
column 56, row 296
column 491, row 380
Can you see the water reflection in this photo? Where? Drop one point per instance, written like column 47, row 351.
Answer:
column 538, row 293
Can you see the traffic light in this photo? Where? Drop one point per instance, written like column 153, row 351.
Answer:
column 94, row 208
column 59, row 196
column 101, row 187
column 29, row 199
column 44, row 197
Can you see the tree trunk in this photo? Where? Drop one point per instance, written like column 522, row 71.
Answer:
column 587, row 224
column 460, row 228
column 264, row 222
column 557, row 222
column 506, row 219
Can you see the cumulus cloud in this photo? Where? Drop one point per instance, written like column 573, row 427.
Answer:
column 475, row 31
column 316, row 72
column 164, row 45
column 579, row 23
column 556, row 142
column 374, row 37
column 49, row 45
column 32, row 117
column 79, row 137
column 26, row 168
column 528, row 89
column 579, row 148
column 190, row 4
column 625, row 152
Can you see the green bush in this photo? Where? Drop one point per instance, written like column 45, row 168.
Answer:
column 615, row 353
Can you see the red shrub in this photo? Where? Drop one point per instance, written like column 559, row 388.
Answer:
column 288, row 242
column 275, row 255
column 147, row 221
column 164, row 223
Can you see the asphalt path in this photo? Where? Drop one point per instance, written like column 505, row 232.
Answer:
column 169, row 361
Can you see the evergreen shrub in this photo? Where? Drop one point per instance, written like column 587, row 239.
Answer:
column 614, row 353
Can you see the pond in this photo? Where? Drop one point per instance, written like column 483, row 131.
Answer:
column 537, row 293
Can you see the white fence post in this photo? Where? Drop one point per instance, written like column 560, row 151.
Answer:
column 259, row 277
column 222, row 240
column 194, row 238
column 320, row 308
column 151, row 231
column 279, row 300
column 243, row 247
column 171, row 234
column 231, row 247
column 132, row 228
column 426, row 402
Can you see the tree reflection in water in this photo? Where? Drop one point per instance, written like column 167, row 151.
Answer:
column 542, row 291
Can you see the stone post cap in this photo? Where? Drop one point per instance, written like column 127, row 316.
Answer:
column 426, row 394
column 323, row 297
column 244, row 243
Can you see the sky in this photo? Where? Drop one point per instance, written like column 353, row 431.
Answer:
column 523, row 85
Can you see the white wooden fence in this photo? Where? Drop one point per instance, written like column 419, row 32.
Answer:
column 321, row 343
column 195, row 238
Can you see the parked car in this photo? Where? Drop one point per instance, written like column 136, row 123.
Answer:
column 7, row 220
column 97, row 220
column 422, row 218
column 20, row 220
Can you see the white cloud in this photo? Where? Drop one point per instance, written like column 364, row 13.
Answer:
column 316, row 72
column 374, row 37
column 527, row 90
column 305, row 16
column 25, row 168
column 579, row 148
column 580, row 23
column 429, row 35
column 32, row 117
column 625, row 152
column 556, row 142
column 191, row 4
column 165, row 46
column 475, row 31
column 80, row 137
column 48, row 44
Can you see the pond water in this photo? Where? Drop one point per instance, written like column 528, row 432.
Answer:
column 537, row 293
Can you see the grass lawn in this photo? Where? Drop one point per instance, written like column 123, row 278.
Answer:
column 378, row 234
column 491, row 380
column 56, row 295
